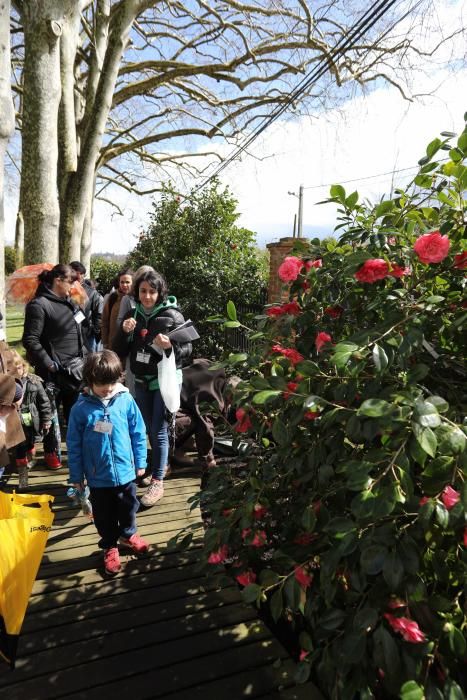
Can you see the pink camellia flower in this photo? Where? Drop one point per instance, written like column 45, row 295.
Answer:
column 219, row 556
column 275, row 311
column 290, row 353
column 227, row 512
column 246, row 577
column 259, row 511
column 243, row 421
column 423, row 500
column 303, row 654
column 432, row 247
column 313, row 263
column 409, row 629
column 372, row 270
column 302, row 577
column 321, row 340
column 450, row 497
column 291, row 389
column 292, row 308
column 143, row 332
column 259, row 538
column 289, row 270
column 398, row 271
column 460, row 261
column 333, row 311
column 311, row 415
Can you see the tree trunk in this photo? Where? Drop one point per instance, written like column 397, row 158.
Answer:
column 19, row 239
column 43, row 23
column 7, row 125
column 86, row 240
column 81, row 184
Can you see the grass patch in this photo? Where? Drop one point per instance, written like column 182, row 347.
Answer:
column 14, row 326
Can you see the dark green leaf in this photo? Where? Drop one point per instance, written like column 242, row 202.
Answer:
column 375, row 408
column 280, row 432
column 276, row 605
column 262, row 396
column 426, row 439
column 365, row 620
column 372, row 558
column 251, row 593
column 393, row 571
column 231, row 311
column 426, row 414
column 379, row 358
column 412, row 691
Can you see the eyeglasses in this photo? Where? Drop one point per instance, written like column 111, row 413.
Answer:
column 66, row 279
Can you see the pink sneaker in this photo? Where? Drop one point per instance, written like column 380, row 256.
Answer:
column 135, row 543
column 112, row 563
column 154, row 493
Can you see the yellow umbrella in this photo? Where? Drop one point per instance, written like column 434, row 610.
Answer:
column 25, row 523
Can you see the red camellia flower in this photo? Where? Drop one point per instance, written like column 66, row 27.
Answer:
column 246, row 577
column 302, row 577
column 227, row 512
column 432, row 247
column 275, row 311
column 289, row 270
column 313, row 263
column 398, row 271
column 450, row 497
column 423, row 500
column 372, row 270
column 333, row 311
column 291, row 389
column 143, row 332
column 321, row 340
column 292, row 355
column 219, row 555
column 243, row 421
column 259, row 538
column 303, row 654
column 409, row 629
column 311, row 415
column 259, row 511
column 305, row 538
column 460, row 261
column 292, row 308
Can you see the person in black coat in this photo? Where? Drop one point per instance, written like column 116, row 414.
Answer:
column 143, row 335
column 92, row 309
column 53, row 341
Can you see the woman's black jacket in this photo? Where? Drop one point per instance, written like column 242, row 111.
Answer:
column 163, row 321
column 51, row 333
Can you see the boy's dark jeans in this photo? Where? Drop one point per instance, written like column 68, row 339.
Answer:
column 114, row 510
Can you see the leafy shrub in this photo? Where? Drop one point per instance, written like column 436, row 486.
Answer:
column 348, row 520
column 204, row 256
column 10, row 259
column 104, row 272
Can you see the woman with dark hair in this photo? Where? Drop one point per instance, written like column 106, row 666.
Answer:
column 143, row 335
column 53, row 340
column 122, row 284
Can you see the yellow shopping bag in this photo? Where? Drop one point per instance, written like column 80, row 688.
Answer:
column 25, row 523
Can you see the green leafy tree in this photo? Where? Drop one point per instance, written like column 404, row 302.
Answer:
column 10, row 259
column 204, row 256
column 348, row 520
column 104, row 272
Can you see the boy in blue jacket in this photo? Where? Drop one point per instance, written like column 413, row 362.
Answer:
column 106, row 442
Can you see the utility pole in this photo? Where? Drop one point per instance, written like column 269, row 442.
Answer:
column 300, row 211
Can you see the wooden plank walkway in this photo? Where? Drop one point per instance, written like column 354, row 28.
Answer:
column 159, row 629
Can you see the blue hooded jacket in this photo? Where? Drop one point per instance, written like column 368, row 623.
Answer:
column 106, row 459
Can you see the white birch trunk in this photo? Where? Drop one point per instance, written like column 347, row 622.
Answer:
column 7, row 125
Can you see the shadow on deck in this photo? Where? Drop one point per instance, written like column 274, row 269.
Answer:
column 159, row 629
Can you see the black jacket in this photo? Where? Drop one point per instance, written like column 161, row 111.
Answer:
column 93, row 312
column 51, row 333
column 36, row 402
column 165, row 320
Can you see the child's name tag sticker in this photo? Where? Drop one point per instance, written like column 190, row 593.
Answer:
column 143, row 357
column 79, row 316
column 103, row 426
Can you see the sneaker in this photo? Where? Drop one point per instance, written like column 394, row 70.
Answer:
column 112, row 563
column 22, row 467
column 154, row 493
column 30, row 456
column 135, row 543
column 52, row 461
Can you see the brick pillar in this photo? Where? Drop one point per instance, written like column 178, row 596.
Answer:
column 277, row 252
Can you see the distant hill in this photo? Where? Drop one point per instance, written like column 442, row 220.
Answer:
column 110, row 257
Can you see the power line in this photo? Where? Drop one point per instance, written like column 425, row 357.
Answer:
column 366, row 22
column 360, row 179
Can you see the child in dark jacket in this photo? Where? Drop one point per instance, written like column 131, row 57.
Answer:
column 106, row 442
column 36, row 417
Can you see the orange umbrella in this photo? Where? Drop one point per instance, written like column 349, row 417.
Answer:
column 22, row 285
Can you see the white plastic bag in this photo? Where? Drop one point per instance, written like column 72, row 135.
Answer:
column 168, row 382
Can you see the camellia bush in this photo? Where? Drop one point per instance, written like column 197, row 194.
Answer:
column 348, row 519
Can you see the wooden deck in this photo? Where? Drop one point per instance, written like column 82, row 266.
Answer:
column 159, row 629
